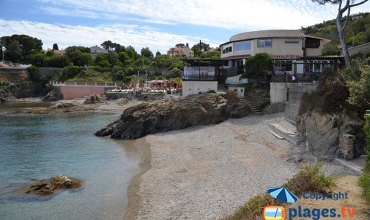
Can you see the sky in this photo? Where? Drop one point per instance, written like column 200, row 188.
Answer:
column 156, row 24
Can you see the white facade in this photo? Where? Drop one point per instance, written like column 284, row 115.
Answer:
column 196, row 87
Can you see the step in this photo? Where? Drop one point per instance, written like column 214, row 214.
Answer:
column 276, row 135
column 350, row 165
column 287, row 134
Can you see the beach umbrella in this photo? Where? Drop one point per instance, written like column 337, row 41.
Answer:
column 282, row 194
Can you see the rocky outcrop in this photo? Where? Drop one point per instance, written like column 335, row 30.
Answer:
column 173, row 114
column 48, row 186
column 53, row 94
column 93, row 99
column 320, row 133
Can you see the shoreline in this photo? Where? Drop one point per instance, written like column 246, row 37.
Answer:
column 207, row 172
column 133, row 198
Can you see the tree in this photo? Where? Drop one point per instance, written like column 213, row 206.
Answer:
column 346, row 7
column 13, row 52
column 257, row 66
column 108, row 45
column 180, row 45
column 55, row 47
column 131, row 52
column 146, row 52
column 158, row 54
column 113, row 57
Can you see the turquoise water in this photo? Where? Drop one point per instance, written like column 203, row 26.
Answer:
column 33, row 147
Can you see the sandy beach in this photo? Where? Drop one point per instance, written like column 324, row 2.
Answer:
column 206, row 172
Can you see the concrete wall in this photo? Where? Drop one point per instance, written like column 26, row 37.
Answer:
column 72, row 92
column 195, row 87
column 279, row 94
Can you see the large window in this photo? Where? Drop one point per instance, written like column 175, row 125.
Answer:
column 283, row 65
column 227, row 48
column 312, row 43
column 264, row 43
column 242, row 46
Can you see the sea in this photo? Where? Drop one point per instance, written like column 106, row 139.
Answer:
column 34, row 147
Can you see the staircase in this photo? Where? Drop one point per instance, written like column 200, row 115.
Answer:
column 251, row 106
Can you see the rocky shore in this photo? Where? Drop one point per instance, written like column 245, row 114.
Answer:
column 174, row 114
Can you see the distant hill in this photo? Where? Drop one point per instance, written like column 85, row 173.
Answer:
column 357, row 32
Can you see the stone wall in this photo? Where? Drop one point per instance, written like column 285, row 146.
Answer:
column 47, row 73
column 359, row 49
column 14, row 75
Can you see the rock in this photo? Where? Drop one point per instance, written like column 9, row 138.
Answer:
column 171, row 114
column 122, row 101
column 53, row 94
column 48, row 186
column 61, row 105
column 320, row 133
column 93, row 99
column 297, row 158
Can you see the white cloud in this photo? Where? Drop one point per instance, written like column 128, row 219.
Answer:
column 241, row 15
column 68, row 35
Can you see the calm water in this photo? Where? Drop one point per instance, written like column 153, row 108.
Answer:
column 33, row 147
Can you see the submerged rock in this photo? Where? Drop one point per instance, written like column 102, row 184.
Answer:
column 173, row 114
column 48, row 186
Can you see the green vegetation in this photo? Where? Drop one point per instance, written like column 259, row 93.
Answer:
column 309, row 179
column 258, row 65
column 330, row 97
column 364, row 182
column 32, row 71
column 357, row 32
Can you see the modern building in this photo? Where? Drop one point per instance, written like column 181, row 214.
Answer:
column 293, row 52
column 180, row 51
column 95, row 50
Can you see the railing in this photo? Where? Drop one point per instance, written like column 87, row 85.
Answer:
column 234, row 71
column 305, row 77
column 55, row 83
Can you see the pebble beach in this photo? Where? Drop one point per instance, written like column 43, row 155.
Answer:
column 207, row 172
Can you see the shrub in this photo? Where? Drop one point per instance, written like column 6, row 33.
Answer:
column 32, row 71
column 364, row 182
column 309, row 179
column 366, row 129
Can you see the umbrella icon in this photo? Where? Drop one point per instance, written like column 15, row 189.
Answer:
column 282, row 194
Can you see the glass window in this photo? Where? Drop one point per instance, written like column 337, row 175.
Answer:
column 264, row 43
column 242, row 46
column 291, row 42
column 227, row 48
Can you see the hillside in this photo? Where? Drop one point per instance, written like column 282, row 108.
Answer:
column 357, row 32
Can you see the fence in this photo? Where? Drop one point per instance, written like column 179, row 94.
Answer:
column 305, row 77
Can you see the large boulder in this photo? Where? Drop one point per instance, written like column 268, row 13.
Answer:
column 48, row 186
column 93, row 99
column 320, row 133
column 53, row 94
column 172, row 114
